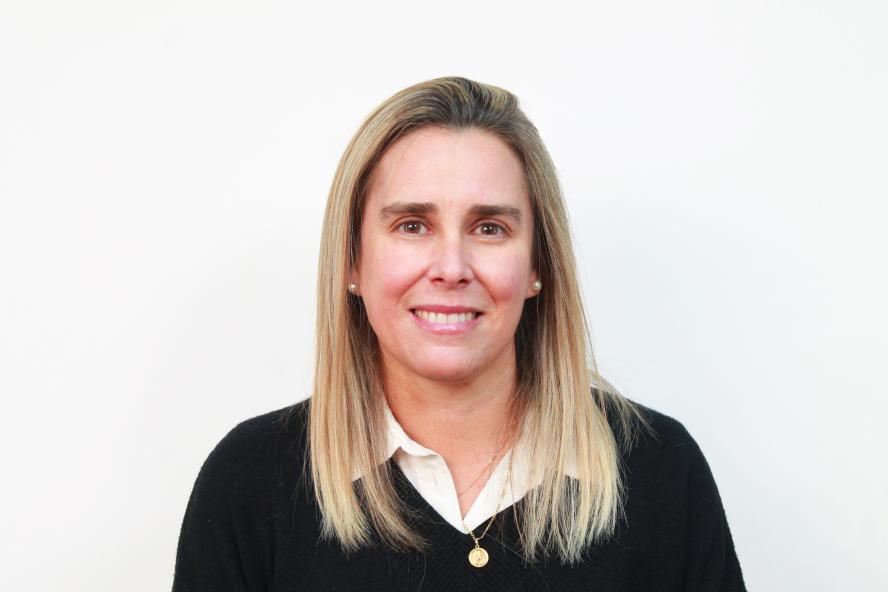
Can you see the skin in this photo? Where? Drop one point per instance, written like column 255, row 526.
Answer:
column 449, row 392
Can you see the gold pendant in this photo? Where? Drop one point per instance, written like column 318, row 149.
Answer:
column 478, row 557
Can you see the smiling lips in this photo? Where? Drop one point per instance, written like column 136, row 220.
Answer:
column 441, row 320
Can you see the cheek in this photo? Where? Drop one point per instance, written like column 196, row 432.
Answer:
column 508, row 279
column 387, row 274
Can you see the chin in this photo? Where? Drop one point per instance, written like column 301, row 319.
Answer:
column 443, row 370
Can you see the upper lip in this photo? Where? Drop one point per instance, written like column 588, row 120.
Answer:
column 445, row 309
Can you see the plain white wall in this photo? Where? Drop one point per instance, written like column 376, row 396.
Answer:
column 163, row 171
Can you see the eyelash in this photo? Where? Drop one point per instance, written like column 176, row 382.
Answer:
column 500, row 226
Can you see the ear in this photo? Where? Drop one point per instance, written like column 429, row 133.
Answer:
column 353, row 278
column 534, row 276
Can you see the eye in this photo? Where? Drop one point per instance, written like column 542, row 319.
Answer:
column 411, row 226
column 491, row 229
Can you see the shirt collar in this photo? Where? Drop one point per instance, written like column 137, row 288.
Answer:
column 398, row 438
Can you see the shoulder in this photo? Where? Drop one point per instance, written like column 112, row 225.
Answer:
column 250, row 434
column 661, row 431
column 653, row 445
column 666, row 461
column 641, row 428
column 672, row 496
column 661, row 437
column 234, row 503
column 286, row 420
column 257, row 449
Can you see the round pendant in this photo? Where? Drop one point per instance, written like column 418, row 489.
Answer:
column 478, row 557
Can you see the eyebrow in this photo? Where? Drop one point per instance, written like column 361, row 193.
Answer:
column 416, row 208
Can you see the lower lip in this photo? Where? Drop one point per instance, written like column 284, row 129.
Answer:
column 446, row 328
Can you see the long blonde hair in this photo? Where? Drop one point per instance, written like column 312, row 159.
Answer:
column 564, row 403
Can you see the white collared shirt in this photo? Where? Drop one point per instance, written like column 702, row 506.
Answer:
column 428, row 473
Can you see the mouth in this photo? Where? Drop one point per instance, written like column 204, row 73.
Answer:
column 441, row 318
column 446, row 323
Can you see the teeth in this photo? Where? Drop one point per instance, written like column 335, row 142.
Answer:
column 440, row 318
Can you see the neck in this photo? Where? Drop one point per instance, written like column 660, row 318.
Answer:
column 466, row 422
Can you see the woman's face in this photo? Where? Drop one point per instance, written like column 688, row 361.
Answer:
column 445, row 259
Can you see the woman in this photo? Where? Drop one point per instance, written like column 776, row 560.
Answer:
column 458, row 436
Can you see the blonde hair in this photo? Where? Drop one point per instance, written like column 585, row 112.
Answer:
column 559, row 417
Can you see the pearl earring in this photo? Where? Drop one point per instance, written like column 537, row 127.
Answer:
column 537, row 286
column 353, row 288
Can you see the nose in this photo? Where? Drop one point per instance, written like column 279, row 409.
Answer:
column 450, row 264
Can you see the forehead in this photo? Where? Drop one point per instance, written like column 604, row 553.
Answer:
column 448, row 167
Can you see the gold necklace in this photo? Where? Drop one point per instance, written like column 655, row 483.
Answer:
column 478, row 556
column 459, row 494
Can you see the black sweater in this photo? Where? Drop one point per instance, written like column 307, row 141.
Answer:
column 252, row 525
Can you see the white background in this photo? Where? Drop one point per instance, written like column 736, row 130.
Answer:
column 163, row 170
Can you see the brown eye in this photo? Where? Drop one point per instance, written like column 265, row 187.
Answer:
column 490, row 229
column 412, row 226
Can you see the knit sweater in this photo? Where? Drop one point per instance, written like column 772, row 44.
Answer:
column 252, row 524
